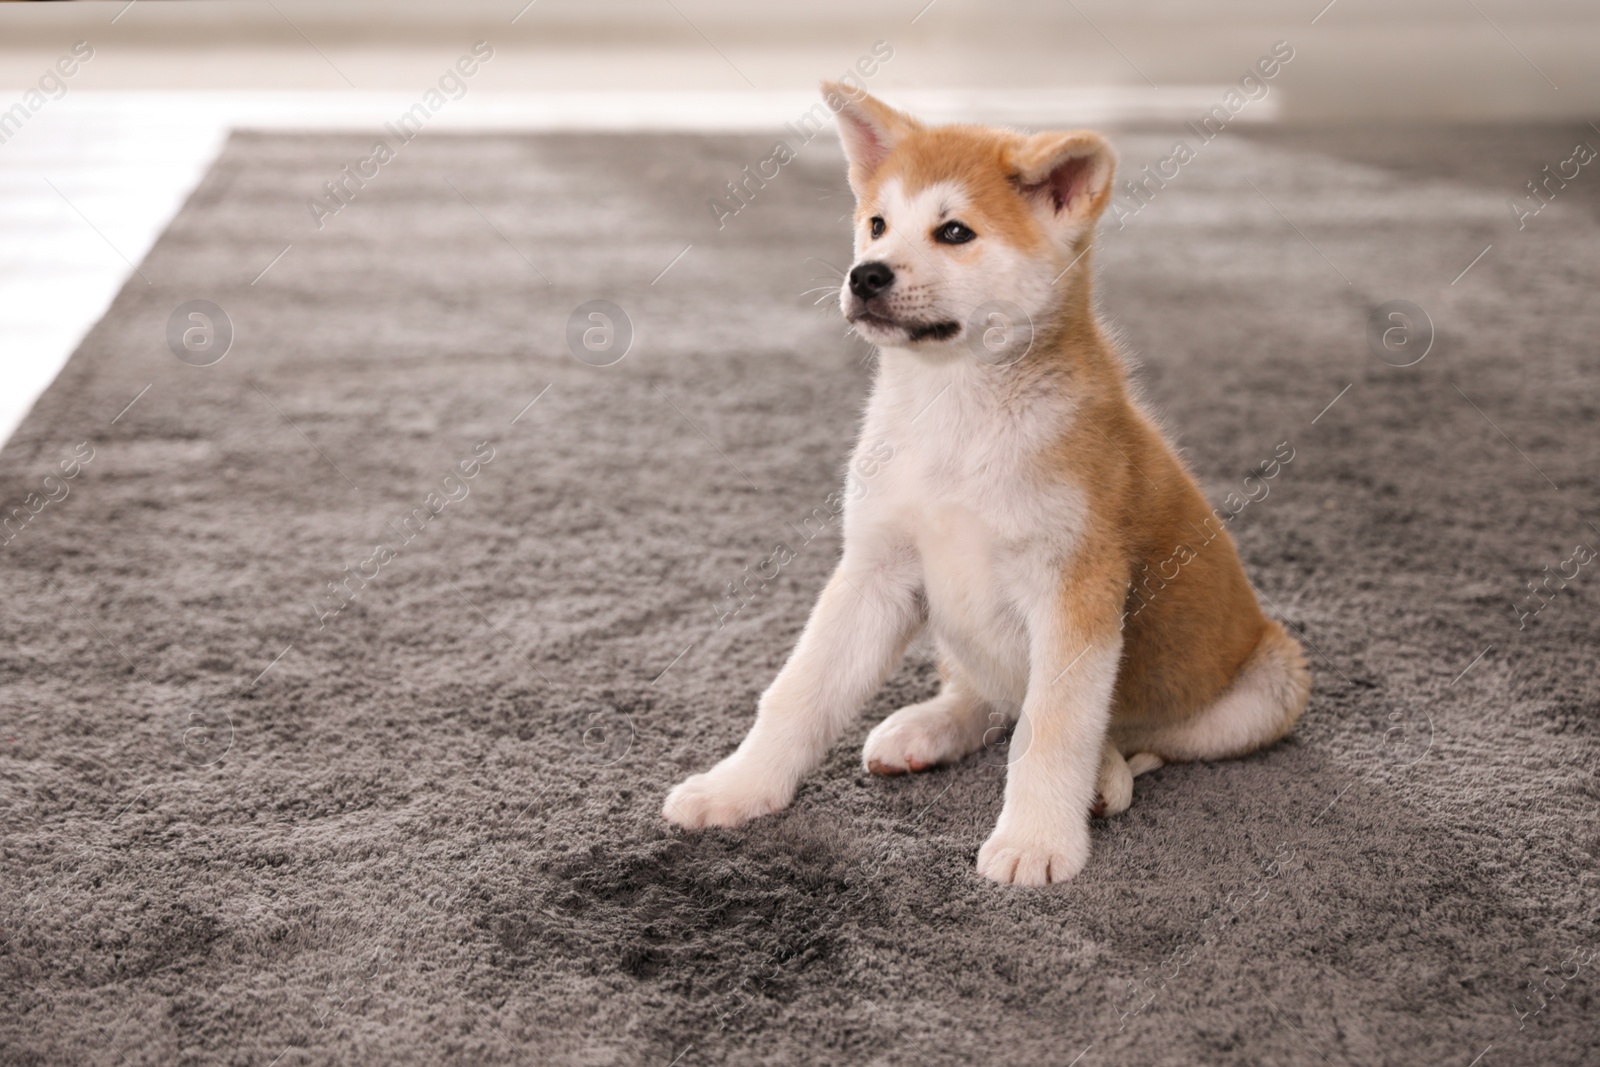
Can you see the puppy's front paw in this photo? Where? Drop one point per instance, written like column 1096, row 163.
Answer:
column 729, row 794
column 1013, row 858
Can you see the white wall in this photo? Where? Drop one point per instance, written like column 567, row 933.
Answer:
column 1458, row 59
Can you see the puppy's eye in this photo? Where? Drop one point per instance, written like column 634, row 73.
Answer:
column 953, row 233
column 878, row 226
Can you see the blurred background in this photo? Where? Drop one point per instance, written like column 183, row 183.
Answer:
column 93, row 164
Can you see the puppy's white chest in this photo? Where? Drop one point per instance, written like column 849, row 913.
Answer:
column 988, row 523
column 962, row 563
column 980, row 533
column 969, row 580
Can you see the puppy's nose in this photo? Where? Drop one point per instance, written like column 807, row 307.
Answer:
column 869, row 279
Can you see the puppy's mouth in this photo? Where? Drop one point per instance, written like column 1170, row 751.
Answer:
column 913, row 331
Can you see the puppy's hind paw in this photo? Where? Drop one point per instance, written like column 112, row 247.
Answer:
column 924, row 735
column 1114, row 790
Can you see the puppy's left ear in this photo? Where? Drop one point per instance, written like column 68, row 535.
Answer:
column 1066, row 178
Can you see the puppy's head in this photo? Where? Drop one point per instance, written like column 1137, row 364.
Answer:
column 954, row 220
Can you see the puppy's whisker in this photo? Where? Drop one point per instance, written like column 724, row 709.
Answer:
column 837, row 272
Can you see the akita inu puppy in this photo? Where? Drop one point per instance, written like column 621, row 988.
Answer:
column 1027, row 504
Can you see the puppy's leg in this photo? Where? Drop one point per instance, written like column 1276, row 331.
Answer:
column 858, row 631
column 935, row 731
column 1075, row 647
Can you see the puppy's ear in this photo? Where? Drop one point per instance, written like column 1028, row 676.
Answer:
column 1066, row 177
column 868, row 128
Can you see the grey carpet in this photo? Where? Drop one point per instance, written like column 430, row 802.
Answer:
column 432, row 834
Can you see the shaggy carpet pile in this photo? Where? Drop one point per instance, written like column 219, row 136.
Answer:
column 363, row 592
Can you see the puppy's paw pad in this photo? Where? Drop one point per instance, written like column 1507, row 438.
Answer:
column 890, row 769
column 719, row 797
